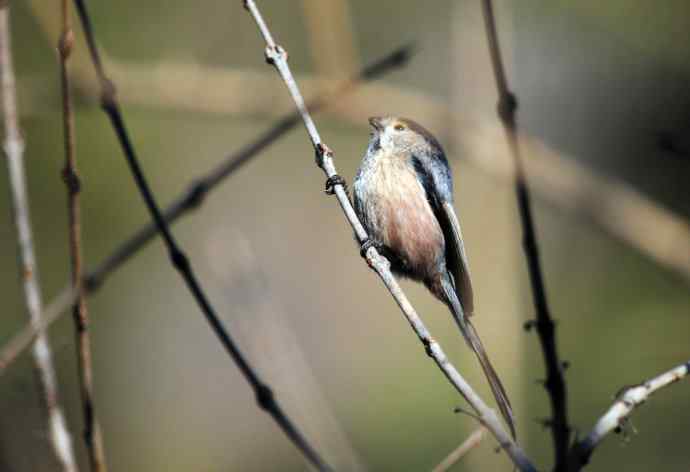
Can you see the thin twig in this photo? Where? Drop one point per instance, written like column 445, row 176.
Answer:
column 472, row 441
column 92, row 430
column 32, row 332
column 277, row 56
column 193, row 198
column 264, row 395
column 59, row 437
column 616, row 416
column 555, row 383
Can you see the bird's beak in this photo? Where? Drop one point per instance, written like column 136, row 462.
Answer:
column 375, row 122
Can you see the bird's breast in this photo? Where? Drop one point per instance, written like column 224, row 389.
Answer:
column 399, row 215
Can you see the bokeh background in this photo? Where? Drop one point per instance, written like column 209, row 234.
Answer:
column 605, row 121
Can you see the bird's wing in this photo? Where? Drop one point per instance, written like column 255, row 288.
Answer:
column 436, row 180
column 456, row 258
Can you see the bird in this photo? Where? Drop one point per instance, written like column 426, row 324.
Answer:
column 403, row 195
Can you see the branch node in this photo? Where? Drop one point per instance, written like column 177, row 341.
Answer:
column 108, row 94
column 427, row 346
column 322, row 152
column 264, row 397
column 197, row 193
column 507, row 105
column 91, row 283
column 71, row 179
column 179, row 260
column 529, row 324
column 66, row 44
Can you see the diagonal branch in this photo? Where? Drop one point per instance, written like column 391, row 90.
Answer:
column 58, row 434
column 555, row 383
column 80, row 313
column 264, row 395
column 277, row 56
column 627, row 400
column 472, row 441
column 192, row 199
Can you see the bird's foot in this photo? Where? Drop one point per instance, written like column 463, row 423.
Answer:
column 334, row 180
column 369, row 243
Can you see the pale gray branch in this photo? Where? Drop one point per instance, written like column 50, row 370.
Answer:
column 59, row 435
column 626, row 402
column 472, row 441
column 277, row 56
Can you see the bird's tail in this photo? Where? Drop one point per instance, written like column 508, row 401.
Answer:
column 475, row 343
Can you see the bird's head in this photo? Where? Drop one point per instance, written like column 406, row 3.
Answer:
column 400, row 134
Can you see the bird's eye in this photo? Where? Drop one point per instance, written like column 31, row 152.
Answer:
column 399, row 127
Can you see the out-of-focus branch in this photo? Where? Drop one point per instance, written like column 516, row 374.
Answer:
column 458, row 453
column 196, row 194
column 607, row 203
column 264, row 395
column 331, row 39
column 277, row 56
column 627, row 400
column 33, row 332
column 273, row 344
column 58, row 434
column 80, row 312
column 555, row 382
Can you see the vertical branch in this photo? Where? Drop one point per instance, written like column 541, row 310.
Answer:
column 264, row 395
column 58, row 434
column 335, row 185
column 92, row 432
column 555, row 383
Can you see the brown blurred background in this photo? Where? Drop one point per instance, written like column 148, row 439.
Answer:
column 605, row 116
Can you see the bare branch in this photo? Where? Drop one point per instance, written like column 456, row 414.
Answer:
column 277, row 56
column 58, row 434
column 80, row 313
column 264, row 395
column 193, row 197
column 555, row 383
column 33, row 332
column 627, row 400
column 456, row 455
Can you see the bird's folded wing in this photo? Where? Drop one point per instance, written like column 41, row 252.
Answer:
column 456, row 259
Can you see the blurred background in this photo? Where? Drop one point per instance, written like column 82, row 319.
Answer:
column 605, row 122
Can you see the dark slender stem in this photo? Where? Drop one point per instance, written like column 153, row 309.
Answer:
column 555, row 383
column 264, row 395
column 195, row 195
column 80, row 313
column 191, row 199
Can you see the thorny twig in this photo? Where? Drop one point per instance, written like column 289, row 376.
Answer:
column 277, row 56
